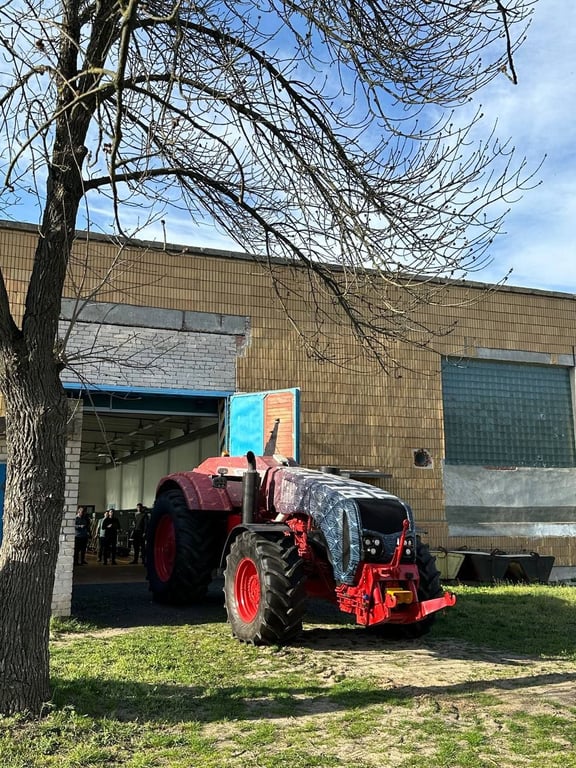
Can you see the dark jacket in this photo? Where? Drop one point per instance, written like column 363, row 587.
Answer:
column 82, row 527
column 110, row 526
column 141, row 523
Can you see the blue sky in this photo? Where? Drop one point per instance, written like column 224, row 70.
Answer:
column 540, row 113
column 538, row 116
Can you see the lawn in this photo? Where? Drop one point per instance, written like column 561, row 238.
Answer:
column 492, row 685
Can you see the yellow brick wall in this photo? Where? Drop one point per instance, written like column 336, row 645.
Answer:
column 359, row 419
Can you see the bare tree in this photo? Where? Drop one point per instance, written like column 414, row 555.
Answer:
column 323, row 133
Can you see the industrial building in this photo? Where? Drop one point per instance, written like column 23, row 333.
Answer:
column 177, row 353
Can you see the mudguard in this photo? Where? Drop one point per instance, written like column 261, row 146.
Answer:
column 266, row 530
column 198, row 491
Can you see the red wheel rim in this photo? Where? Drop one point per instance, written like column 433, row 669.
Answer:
column 247, row 590
column 164, row 548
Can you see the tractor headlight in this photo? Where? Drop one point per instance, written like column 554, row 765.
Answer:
column 409, row 547
column 373, row 546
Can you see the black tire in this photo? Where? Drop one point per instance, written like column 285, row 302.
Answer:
column 428, row 588
column 264, row 589
column 182, row 549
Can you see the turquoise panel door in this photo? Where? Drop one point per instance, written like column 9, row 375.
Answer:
column 265, row 423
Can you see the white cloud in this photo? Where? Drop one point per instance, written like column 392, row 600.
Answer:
column 538, row 114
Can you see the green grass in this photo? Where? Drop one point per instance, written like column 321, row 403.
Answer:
column 535, row 619
column 68, row 626
column 473, row 694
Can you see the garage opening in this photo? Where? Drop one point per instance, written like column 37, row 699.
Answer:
column 130, row 440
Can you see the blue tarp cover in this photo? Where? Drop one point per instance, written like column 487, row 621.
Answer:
column 331, row 501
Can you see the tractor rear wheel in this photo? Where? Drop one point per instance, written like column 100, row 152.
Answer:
column 181, row 549
column 264, row 589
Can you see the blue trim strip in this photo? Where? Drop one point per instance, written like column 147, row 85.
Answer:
column 104, row 388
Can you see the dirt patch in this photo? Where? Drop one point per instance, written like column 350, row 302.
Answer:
column 437, row 669
column 418, row 693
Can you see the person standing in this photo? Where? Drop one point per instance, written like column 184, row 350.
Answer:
column 110, row 526
column 100, row 537
column 139, row 533
column 81, row 536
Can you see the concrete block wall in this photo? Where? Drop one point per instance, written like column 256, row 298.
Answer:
column 144, row 347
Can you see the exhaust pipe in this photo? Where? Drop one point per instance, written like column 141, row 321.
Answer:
column 250, row 488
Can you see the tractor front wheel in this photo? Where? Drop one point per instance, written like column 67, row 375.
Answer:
column 428, row 588
column 264, row 589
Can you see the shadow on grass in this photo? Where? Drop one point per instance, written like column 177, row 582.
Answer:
column 130, row 701
column 530, row 622
column 125, row 605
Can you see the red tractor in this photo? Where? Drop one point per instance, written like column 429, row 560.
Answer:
column 284, row 533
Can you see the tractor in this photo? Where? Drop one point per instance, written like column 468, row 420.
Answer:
column 282, row 534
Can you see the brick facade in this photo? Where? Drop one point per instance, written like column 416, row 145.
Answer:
column 355, row 417
column 62, row 593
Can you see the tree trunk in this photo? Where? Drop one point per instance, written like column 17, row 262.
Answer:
column 36, row 414
column 30, row 364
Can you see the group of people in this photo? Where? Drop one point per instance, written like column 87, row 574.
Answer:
column 107, row 530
